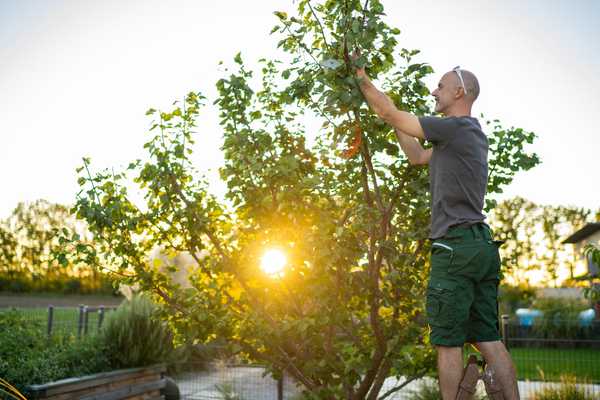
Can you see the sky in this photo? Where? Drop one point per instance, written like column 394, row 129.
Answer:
column 76, row 78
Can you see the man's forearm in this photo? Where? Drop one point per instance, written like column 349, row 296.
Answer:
column 385, row 108
column 379, row 102
column 411, row 147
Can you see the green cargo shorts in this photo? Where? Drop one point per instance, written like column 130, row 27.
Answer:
column 462, row 294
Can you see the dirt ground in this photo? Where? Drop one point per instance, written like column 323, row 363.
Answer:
column 8, row 300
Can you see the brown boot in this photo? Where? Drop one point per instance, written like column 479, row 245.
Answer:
column 492, row 385
column 471, row 375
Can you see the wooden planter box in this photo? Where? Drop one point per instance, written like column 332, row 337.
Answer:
column 143, row 383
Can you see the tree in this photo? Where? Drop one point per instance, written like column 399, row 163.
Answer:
column 8, row 245
column 28, row 240
column 557, row 224
column 534, row 235
column 347, row 312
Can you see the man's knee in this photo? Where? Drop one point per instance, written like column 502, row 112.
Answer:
column 495, row 347
column 449, row 355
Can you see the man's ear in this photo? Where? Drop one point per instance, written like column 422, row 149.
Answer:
column 460, row 92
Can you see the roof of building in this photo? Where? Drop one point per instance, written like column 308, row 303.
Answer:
column 583, row 233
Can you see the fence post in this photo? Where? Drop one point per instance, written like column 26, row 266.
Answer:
column 85, row 320
column 80, row 322
column 505, row 330
column 50, row 319
column 280, row 387
column 100, row 317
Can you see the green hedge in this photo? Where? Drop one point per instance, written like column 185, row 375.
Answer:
column 132, row 336
column 28, row 356
column 20, row 283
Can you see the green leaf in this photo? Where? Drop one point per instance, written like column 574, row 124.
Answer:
column 238, row 58
column 281, row 15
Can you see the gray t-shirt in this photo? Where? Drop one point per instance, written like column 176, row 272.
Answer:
column 458, row 171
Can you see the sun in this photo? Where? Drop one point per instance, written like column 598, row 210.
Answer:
column 273, row 261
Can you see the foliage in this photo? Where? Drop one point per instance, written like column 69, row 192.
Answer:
column 430, row 390
column 560, row 317
column 512, row 297
column 227, row 392
column 348, row 310
column 135, row 336
column 533, row 235
column 28, row 240
column 593, row 292
column 27, row 356
column 568, row 390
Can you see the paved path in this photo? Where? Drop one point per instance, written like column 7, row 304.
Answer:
column 249, row 384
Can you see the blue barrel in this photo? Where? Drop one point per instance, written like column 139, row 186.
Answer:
column 586, row 317
column 526, row 316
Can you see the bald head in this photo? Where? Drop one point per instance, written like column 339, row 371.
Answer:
column 449, row 99
column 471, row 83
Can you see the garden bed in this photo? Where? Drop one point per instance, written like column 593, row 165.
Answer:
column 133, row 384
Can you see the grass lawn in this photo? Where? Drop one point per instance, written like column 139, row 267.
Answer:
column 584, row 364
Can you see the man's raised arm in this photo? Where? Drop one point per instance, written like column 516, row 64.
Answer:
column 385, row 108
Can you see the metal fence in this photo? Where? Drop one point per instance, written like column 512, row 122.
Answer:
column 252, row 382
column 219, row 380
column 550, row 356
column 553, row 354
column 79, row 321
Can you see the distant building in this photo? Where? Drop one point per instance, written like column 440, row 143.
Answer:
column 589, row 234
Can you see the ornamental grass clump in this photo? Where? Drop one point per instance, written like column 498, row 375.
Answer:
column 430, row 390
column 567, row 390
column 136, row 337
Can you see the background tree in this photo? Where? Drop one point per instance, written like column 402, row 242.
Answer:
column 342, row 203
column 28, row 240
column 534, row 235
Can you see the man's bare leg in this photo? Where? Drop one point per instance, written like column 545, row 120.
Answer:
column 450, row 370
column 497, row 357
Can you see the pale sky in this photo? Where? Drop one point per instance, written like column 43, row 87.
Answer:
column 77, row 76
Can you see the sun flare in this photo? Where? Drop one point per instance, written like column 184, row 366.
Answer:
column 272, row 262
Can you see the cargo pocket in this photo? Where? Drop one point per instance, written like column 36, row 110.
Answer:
column 467, row 260
column 440, row 306
column 441, row 258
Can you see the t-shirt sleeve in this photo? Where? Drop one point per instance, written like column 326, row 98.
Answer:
column 437, row 130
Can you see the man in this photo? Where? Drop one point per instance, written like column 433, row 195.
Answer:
column 462, row 295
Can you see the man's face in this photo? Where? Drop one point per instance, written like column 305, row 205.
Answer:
column 446, row 93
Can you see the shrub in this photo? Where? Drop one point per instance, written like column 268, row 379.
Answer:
column 512, row 297
column 560, row 319
column 28, row 356
column 566, row 391
column 135, row 336
column 430, row 390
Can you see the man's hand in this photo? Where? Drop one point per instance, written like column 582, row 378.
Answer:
column 360, row 72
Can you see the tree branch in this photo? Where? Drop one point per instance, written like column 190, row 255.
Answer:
column 320, row 26
column 399, row 387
